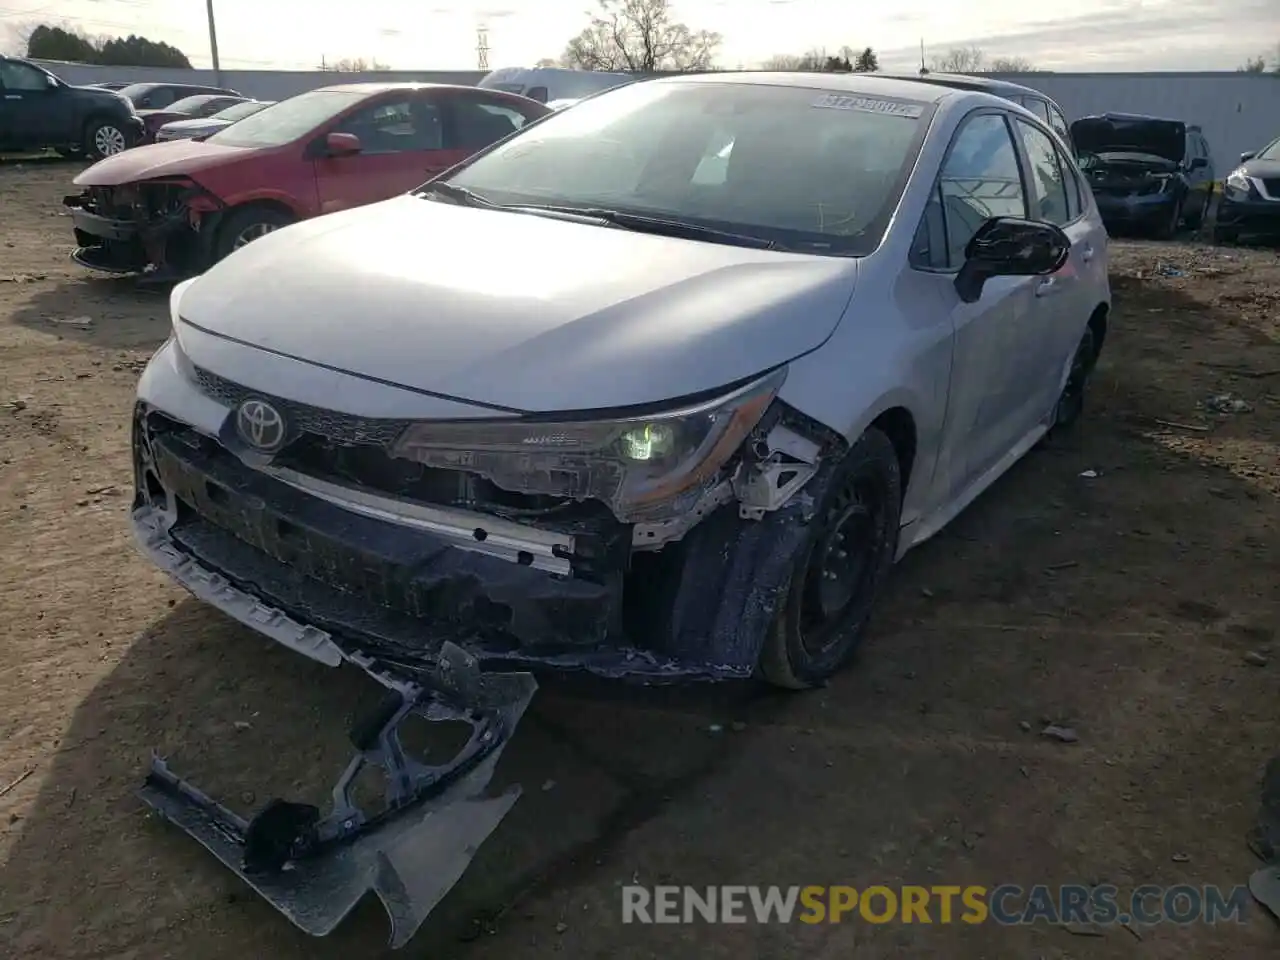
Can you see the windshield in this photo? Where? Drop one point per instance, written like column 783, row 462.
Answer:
column 240, row 110
column 801, row 167
column 1270, row 152
column 286, row 121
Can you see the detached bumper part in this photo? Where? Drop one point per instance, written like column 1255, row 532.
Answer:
column 315, row 868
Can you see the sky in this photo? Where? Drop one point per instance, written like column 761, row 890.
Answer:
column 441, row 34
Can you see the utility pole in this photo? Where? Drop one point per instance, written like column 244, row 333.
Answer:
column 213, row 46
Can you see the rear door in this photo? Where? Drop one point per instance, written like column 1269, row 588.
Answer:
column 401, row 141
column 1062, row 304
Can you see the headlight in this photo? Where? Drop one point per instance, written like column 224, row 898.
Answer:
column 1238, row 182
column 641, row 467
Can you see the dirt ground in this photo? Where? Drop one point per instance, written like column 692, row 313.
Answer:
column 1124, row 584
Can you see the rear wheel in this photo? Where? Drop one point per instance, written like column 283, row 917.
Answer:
column 1071, row 402
column 104, row 138
column 244, row 226
column 838, row 575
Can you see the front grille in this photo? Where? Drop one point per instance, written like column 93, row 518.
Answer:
column 339, row 427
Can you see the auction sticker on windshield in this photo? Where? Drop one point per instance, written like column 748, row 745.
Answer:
column 889, row 108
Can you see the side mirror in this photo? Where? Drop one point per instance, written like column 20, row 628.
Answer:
column 342, row 144
column 52, row 82
column 1010, row 247
column 1199, row 163
column 1248, row 155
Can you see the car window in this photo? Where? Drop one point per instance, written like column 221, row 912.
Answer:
column 813, row 169
column 1071, row 176
column 290, row 119
column 1271, row 151
column 1038, row 107
column 1049, row 188
column 394, row 126
column 21, row 76
column 980, row 179
column 477, row 123
column 1059, row 124
column 537, row 93
column 158, row 98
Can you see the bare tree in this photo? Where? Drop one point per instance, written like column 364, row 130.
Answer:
column 640, row 36
column 1011, row 65
column 355, row 65
column 960, row 60
column 546, row 62
column 1262, row 63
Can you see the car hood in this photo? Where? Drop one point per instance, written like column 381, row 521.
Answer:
column 173, row 158
column 1262, row 168
column 1161, row 138
column 518, row 311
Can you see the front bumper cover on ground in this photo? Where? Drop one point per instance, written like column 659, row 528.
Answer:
column 315, row 869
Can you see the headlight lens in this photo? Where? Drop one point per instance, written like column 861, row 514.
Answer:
column 642, row 467
column 1238, row 182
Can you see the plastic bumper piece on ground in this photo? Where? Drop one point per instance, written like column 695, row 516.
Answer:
column 315, row 869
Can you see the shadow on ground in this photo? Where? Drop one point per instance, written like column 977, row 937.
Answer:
column 1121, row 604
column 108, row 313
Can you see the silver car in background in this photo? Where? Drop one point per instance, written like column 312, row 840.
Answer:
column 201, row 127
column 659, row 387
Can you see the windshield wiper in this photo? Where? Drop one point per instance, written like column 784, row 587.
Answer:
column 456, row 193
column 642, row 223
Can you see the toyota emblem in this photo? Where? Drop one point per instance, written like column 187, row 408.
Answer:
column 261, row 426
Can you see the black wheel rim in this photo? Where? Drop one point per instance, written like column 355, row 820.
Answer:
column 843, row 564
column 1081, row 366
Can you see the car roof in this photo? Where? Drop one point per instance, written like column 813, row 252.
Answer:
column 384, row 86
column 869, row 83
column 964, row 81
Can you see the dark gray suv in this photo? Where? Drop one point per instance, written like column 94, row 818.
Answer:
column 39, row 110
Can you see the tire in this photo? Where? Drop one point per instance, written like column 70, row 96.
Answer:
column 104, row 138
column 860, row 511
column 1169, row 228
column 245, row 225
column 1070, row 406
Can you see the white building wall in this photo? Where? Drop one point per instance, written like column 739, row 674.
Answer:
column 1236, row 111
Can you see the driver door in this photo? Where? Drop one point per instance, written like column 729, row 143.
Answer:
column 401, row 138
column 29, row 108
column 991, row 399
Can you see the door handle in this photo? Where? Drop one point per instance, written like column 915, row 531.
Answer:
column 1047, row 287
column 13, row 96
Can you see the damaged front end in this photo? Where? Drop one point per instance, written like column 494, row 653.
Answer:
column 160, row 228
column 443, row 559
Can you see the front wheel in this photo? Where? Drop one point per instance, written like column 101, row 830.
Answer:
column 838, row 574
column 1168, row 229
column 104, row 138
column 244, row 226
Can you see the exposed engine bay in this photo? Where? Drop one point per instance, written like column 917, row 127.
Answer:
column 162, row 227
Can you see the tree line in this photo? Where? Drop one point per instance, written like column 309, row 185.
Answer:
column 56, row 43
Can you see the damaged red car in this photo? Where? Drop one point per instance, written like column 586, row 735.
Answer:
column 173, row 209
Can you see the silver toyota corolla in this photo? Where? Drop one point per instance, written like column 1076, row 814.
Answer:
column 658, row 387
column 661, row 385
